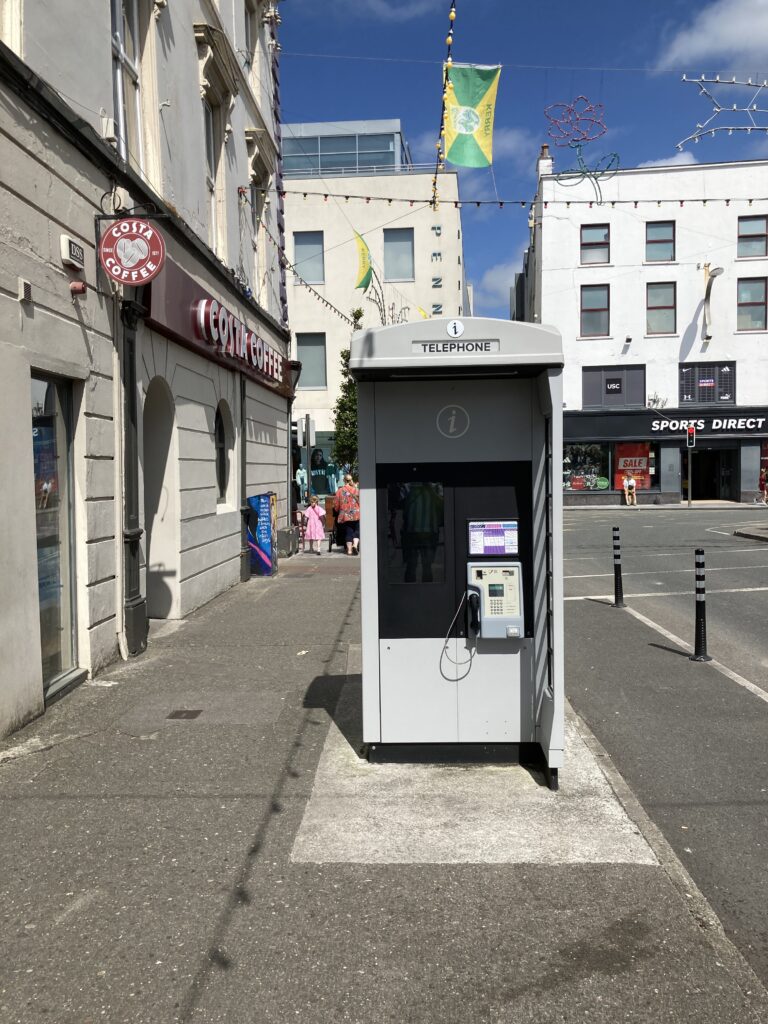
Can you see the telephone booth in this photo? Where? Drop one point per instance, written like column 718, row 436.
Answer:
column 460, row 441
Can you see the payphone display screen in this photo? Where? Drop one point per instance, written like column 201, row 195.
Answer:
column 493, row 537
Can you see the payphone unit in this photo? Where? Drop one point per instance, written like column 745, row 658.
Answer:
column 459, row 437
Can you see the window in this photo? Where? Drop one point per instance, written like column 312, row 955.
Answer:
column 595, row 243
column 661, row 308
column 613, row 387
column 398, row 254
column 586, row 467
column 751, row 304
column 595, row 310
column 251, row 31
column 126, row 82
column 300, row 156
column 310, row 351
column 660, row 241
column 222, row 444
column 337, row 154
column 753, row 236
column 213, row 146
column 376, row 151
column 707, row 384
column 308, row 255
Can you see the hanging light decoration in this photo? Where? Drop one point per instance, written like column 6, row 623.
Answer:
column 447, row 89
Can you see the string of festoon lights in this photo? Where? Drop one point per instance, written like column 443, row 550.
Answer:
column 447, row 88
column 525, row 204
column 285, row 262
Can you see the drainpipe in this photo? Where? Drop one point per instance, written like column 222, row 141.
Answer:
column 245, row 509
column 135, row 605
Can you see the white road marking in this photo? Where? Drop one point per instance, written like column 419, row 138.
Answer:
column 666, row 593
column 103, row 682
column 664, row 554
column 667, row 572
column 723, row 669
column 77, row 904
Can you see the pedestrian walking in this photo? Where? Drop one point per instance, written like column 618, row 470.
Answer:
column 347, row 504
column 761, row 485
column 315, row 524
column 630, row 487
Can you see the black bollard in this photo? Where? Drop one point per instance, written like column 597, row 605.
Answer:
column 700, row 642
column 618, row 589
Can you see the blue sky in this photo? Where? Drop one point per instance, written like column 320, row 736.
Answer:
column 563, row 47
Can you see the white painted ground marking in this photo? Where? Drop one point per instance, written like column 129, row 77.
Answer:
column 664, row 554
column 31, row 746
column 360, row 813
column 77, row 904
column 667, row 572
column 103, row 682
column 723, row 669
column 666, row 593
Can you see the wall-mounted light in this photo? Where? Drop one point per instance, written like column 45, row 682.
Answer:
column 709, row 276
column 628, row 340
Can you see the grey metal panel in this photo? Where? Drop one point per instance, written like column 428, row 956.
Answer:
column 669, row 475
column 552, row 710
column 592, row 387
column 498, row 429
column 634, row 385
column 366, row 425
column 386, row 350
column 750, row 467
column 495, row 691
column 418, row 691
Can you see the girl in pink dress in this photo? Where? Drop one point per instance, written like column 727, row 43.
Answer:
column 315, row 528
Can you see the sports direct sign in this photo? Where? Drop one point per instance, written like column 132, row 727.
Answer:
column 132, row 251
column 219, row 327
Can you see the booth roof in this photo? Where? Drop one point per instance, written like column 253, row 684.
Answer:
column 465, row 346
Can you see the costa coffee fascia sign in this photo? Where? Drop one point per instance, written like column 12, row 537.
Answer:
column 217, row 326
column 132, row 251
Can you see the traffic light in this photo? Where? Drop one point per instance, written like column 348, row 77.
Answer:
column 691, row 438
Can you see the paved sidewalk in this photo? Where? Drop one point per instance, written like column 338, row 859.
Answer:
column 236, row 861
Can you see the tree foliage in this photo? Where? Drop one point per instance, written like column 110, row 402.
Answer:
column 345, row 410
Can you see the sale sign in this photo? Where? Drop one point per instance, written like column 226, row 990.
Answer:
column 635, row 456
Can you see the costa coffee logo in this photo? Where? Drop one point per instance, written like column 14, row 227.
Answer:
column 132, row 251
column 219, row 327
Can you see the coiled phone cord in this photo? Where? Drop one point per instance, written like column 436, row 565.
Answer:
column 444, row 652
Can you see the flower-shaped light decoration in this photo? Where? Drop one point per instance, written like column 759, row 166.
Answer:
column 573, row 124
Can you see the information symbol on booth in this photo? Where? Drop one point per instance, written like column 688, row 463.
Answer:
column 454, row 328
column 453, row 421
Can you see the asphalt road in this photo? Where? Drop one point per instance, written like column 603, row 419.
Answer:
column 690, row 739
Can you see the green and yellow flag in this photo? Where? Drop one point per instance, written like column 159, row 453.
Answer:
column 364, row 268
column 469, row 115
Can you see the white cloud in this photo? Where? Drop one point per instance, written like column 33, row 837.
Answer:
column 493, row 289
column 726, row 30
column 383, row 10
column 684, row 157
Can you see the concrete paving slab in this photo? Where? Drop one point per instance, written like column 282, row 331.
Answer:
column 445, row 814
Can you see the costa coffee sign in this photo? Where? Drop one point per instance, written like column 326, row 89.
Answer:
column 132, row 251
column 231, row 337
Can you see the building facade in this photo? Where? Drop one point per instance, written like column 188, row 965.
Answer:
column 658, row 285
column 353, row 177
column 137, row 417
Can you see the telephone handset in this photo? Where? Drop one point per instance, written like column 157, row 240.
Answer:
column 495, row 599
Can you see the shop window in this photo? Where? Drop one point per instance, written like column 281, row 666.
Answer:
column 707, row 384
column 595, row 243
column 613, row 387
column 641, row 458
column 660, row 241
column 753, row 236
column 586, row 467
column 661, row 308
column 126, row 80
column 223, row 443
column 51, row 450
column 595, row 311
column 751, row 293
column 310, row 351
column 308, row 256
column 398, row 254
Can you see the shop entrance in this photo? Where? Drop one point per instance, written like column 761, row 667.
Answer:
column 161, row 515
column 715, row 474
